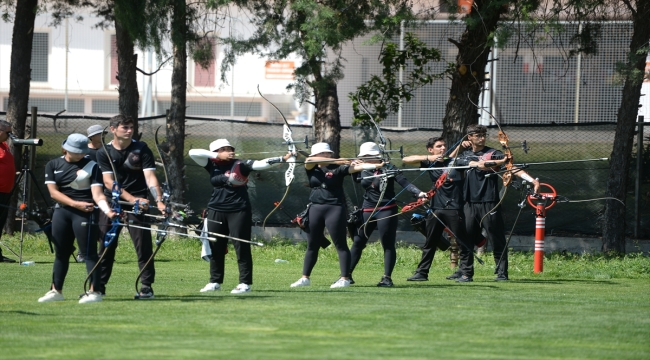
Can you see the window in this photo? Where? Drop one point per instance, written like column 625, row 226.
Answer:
column 205, row 76
column 112, row 74
column 40, row 51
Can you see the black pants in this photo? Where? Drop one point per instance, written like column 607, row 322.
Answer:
column 142, row 243
column 493, row 225
column 334, row 218
column 454, row 219
column 66, row 226
column 387, row 234
column 236, row 224
column 4, row 200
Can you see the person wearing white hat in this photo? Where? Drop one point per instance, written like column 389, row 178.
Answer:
column 378, row 214
column 136, row 173
column 74, row 182
column 229, row 209
column 327, row 210
column 95, row 137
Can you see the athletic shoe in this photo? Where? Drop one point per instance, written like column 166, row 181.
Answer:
column 301, row 282
column 6, row 259
column 51, row 295
column 464, row 278
column 211, row 287
column 80, row 258
column 351, row 280
column 340, row 283
column 386, row 281
column 501, row 278
column 146, row 292
column 418, row 277
column 455, row 275
column 241, row 288
column 90, row 297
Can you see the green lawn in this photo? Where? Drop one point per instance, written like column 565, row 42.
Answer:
column 580, row 307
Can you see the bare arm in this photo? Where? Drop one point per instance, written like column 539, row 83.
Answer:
column 152, row 182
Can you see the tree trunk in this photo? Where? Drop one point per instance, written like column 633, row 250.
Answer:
column 614, row 218
column 19, row 78
column 327, row 121
column 467, row 80
column 176, row 118
column 127, row 62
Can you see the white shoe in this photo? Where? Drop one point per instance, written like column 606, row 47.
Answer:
column 301, row 282
column 241, row 288
column 340, row 283
column 90, row 297
column 211, row 287
column 51, row 295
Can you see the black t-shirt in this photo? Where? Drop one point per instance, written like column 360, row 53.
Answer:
column 479, row 188
column 129, row 164
column 449, row 196
column 227, row 196
column 327, row 184
column 74, row 179
column 373, row 186
column 92, row 154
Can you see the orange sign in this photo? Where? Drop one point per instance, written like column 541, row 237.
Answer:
column 465, row 6
column 279, row 70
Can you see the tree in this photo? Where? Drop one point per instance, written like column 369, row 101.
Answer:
column 632, row 73
column 315, row 31
column 20, row 75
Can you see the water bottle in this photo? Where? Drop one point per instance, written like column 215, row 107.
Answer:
column 279, row 261
column 27, row 263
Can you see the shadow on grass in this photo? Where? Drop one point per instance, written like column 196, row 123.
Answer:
column 192, row 298
column 562, row 281
column 19, row 312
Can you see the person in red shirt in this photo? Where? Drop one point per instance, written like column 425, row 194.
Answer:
column 7, row 178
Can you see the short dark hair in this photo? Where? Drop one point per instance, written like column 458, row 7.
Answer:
column 432, row 141
column 5, row 124
column 476, row 129
column 120, row 119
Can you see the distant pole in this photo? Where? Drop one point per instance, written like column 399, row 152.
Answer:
column 401, row 73
column 637, row 181
column 576, row 110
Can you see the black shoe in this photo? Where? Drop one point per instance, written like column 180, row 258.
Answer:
column 455, row 275
column 146, row 292
column 6, row 259
column 501, row 277
column 351, row 280
column 385, row 282
column 464, row 278
column 418, row 277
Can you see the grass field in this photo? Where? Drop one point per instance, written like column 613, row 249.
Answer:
column 580, row 307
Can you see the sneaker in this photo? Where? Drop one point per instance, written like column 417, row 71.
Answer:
column 464, row 278
column 80, row 258
column 241, row 288
column 51, row 295
column 351, row 280
column 386, row 281
column 90, row 297
column 146, row 292
column 6, row 259
column 418, row 277
column 211, row 287
column 340, row 283
column 301, row 282
column 501, row 277
column 454, row 276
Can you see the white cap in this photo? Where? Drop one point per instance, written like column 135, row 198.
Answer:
column 219, row 143
column 369, row 149
column 320, row 148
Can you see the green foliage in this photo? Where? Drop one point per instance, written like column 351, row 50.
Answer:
column 383, row 94
column 315, row 31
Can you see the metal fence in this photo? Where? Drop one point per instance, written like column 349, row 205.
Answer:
column 577, row 181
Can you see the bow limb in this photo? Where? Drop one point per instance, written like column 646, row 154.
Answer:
column 291, row 147
column 382, row 139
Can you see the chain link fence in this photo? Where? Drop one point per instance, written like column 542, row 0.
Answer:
column 577, row 181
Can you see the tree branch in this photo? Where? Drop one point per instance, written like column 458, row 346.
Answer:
column 159, row 67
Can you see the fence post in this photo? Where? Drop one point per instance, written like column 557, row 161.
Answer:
column 32, row 153
column 637, row 181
